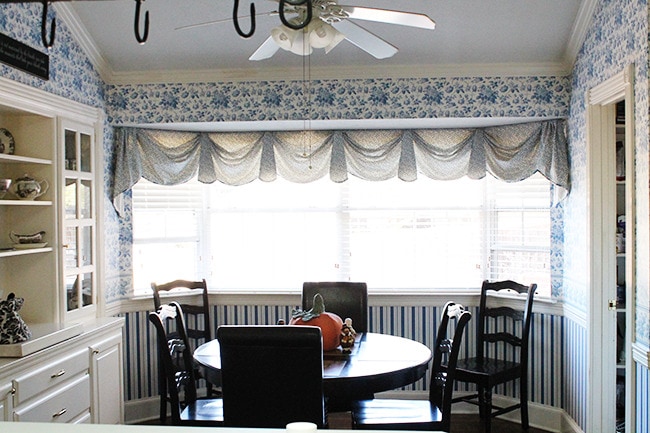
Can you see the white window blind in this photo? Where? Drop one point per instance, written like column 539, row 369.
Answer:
column 166, row 232
column 422, row 235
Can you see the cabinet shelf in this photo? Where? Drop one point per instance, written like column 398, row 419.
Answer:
column 17, row 159
column 25, row 203
column 12, row 253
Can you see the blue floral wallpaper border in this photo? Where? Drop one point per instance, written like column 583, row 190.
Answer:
column 408, row 98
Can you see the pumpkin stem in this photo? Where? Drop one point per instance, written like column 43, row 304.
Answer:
column 315, row 311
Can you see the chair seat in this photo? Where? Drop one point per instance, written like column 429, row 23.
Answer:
column 487, row 371
column 204, row 411
column 392, row 414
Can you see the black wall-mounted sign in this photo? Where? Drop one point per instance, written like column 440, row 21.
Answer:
column 23, row 57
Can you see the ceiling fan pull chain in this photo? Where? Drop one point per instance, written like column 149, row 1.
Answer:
column 47, row 43
column 136, row 24
column 308, row 17
column 235, row 20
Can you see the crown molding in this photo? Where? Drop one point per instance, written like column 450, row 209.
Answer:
column 581, row 25
column 83, row 38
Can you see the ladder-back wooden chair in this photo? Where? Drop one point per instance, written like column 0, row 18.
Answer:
column 192, row 296
column 487, row 370
column 177, row 371
column 431, row 414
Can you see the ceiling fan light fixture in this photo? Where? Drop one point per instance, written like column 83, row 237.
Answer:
column 300, row 45
column 284, row 37
column 321, row 34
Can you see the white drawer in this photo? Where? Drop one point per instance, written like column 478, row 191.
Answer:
column 50, row 374
column 63, row 405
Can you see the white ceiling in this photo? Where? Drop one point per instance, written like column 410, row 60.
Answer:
column 472, row 37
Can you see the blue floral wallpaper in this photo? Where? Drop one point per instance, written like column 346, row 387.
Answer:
column 618, row 37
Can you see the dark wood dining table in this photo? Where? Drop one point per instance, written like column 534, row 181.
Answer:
column 376, row 363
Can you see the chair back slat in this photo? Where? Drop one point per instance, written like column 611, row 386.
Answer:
column 503, row 337
column 511, row 313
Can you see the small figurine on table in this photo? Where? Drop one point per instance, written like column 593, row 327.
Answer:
column 348, row 335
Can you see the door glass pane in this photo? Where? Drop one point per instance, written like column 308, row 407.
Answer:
column 71, row 291
column 86, row 162
column 87, row 289
column 85, row 244
column 71, row 249
column 70, row 198
column 70, row 150
column 85, row 199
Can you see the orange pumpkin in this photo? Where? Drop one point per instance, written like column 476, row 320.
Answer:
column 329, row 323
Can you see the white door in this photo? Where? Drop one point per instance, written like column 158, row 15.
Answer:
column 607, row 317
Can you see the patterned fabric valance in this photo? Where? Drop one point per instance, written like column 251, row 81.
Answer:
column 511, row 153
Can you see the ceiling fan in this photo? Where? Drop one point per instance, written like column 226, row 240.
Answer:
column 330, row 24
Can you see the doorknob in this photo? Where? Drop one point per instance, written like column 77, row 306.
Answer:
column 611, row 304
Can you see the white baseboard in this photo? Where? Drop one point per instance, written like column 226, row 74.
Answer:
column 137, row 411
column 543, row 417
column 540, row 416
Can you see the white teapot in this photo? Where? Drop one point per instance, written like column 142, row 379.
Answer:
column 28, row 188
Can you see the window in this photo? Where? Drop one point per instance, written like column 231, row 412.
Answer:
column 394, row 235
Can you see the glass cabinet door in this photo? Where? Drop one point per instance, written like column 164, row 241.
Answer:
column 79, row 220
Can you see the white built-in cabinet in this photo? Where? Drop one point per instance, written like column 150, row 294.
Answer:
column 74, row 373
column 75, row 381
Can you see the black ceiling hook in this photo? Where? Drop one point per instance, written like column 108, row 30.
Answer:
column 291, row 25
column 235, row 20
column 136, row 24
column 48, row 43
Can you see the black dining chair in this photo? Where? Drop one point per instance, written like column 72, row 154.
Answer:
column 501, row 329
column 346, row 299
column 177, row 365
column 271, row 375
column 431, row 414
column 192, row 296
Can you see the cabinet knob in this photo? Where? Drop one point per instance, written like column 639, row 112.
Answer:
column 58, row 374
column 59, row 413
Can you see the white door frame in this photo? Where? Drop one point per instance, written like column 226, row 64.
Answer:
column 601, row 327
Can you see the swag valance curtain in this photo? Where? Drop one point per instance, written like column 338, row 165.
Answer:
column 511, row 153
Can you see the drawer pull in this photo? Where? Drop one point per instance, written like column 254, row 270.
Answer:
column 58, row 374
column 59, row 413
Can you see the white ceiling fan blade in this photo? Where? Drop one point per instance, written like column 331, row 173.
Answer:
column 266, row 50
column 410, row 19
column 367, row 41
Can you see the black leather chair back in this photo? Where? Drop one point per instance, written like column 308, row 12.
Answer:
column 344, row 298
column 271, row 375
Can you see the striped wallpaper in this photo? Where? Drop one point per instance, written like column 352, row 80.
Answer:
column 558, row 374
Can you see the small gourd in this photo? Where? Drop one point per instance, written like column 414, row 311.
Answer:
column 329, row 323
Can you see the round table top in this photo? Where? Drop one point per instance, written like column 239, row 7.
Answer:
column 377, row 362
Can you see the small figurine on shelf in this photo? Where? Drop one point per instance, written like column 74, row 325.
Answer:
column 13, row 328
column 348, row 335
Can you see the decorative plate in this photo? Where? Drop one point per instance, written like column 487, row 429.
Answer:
column 7, row 143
